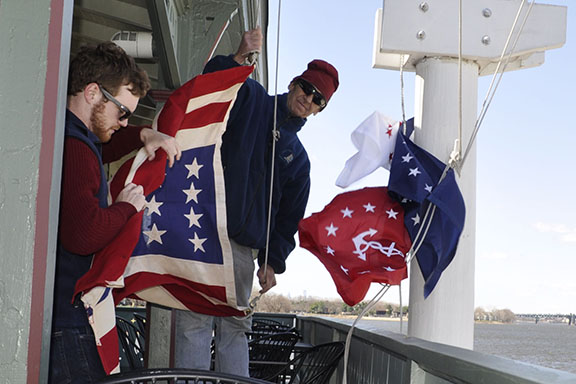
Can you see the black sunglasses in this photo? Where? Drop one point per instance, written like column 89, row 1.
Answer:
column 124, row 109
column 309, row 89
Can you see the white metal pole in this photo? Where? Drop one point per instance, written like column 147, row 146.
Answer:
column 447, row 315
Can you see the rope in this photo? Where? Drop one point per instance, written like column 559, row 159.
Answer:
column 419, row 239
column 457, row 150
column 275, row 136
column 429, row 215
column 368, row 307
column 431, row 209
column 497, row 74
column 252, row 57
column 402, row 63
column 400, row 297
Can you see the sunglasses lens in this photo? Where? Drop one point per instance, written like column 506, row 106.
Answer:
column 125, row 115
column 317, row 98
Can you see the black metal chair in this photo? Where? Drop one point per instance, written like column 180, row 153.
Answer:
column 268, row 326
column 177, row 375
column 140, row 323
column 269, row 354
column 265, row 323
column 132, row 342
column 315, row 365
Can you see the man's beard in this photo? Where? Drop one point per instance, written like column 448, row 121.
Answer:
column 98, row 123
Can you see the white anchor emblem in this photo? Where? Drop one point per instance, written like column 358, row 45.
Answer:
column 362, row 245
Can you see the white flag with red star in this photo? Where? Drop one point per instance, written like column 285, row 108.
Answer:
column 374, row 139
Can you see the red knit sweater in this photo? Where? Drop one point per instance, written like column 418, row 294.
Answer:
column 86, row 228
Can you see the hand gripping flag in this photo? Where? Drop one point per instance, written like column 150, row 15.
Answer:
column 375, row 139
column 360, row 238
column 175, row 253
column 434, row 207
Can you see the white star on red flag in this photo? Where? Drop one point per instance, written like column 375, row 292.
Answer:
column 358, row 249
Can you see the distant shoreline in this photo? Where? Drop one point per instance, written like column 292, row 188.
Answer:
column 353, row 317
column 405, row 318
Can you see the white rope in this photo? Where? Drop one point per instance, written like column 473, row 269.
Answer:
column 429, row 215
column 367, row 308
column 252, row 57
column 409, row 257
column 498, row 74
column 400, row 297
column 275, row 135
column 457, row 150
column 431, row 209
column 419, row 239
column 460, row 74
column 402, row 63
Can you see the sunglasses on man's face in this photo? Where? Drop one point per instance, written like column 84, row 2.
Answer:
column 126, row 113
column 309, row 89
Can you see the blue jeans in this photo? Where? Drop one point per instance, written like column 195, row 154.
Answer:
column 74, row 357
column 193, row 335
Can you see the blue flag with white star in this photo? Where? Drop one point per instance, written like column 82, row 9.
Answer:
column 180, row 221
column 416, row 181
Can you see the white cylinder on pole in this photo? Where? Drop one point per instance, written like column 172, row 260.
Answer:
column 447, row 315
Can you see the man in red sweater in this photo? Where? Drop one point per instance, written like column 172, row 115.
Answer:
column 104, row 86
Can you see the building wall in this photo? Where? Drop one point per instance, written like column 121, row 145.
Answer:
column 31, row 109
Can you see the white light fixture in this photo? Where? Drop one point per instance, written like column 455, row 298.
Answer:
column 137, row 44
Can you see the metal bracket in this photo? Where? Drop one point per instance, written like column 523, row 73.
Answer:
column 410, row 30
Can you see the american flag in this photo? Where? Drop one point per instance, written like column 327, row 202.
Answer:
column 176, row 252
column 360, row 238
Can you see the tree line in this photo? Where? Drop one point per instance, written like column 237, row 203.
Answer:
column 498, row 315
column 275, row 303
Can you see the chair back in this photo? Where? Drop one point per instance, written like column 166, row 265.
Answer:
column 140, row 323
column 132, row 342
column 317, row 364
column 177, row 375
column 268, row 326
column 268, row 354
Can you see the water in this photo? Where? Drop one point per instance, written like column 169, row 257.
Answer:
column 546, row 344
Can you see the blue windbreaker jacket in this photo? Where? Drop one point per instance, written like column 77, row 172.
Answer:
column 246, row 157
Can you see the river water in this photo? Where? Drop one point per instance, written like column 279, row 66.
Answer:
column 546, row 344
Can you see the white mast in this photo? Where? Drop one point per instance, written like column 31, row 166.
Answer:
column 425, row 36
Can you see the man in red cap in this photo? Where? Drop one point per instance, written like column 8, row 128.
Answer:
column 247, row 160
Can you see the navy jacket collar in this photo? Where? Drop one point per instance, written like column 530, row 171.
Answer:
column 284, row 119
column 74, row 122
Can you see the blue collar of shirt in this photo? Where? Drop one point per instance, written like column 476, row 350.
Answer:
column 284, row 119
column 74, row 122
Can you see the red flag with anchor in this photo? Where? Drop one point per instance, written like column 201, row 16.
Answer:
column 360, row 238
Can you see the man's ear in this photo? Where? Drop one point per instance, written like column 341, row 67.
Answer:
column 92, row 93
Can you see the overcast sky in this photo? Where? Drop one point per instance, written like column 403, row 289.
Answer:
column 525, row 231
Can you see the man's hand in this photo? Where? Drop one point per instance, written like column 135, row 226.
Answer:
column 153, row 140
column 133, row 194
column 251, row 42
column 267, row 279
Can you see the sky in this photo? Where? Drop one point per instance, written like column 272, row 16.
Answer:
column 525, row 232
